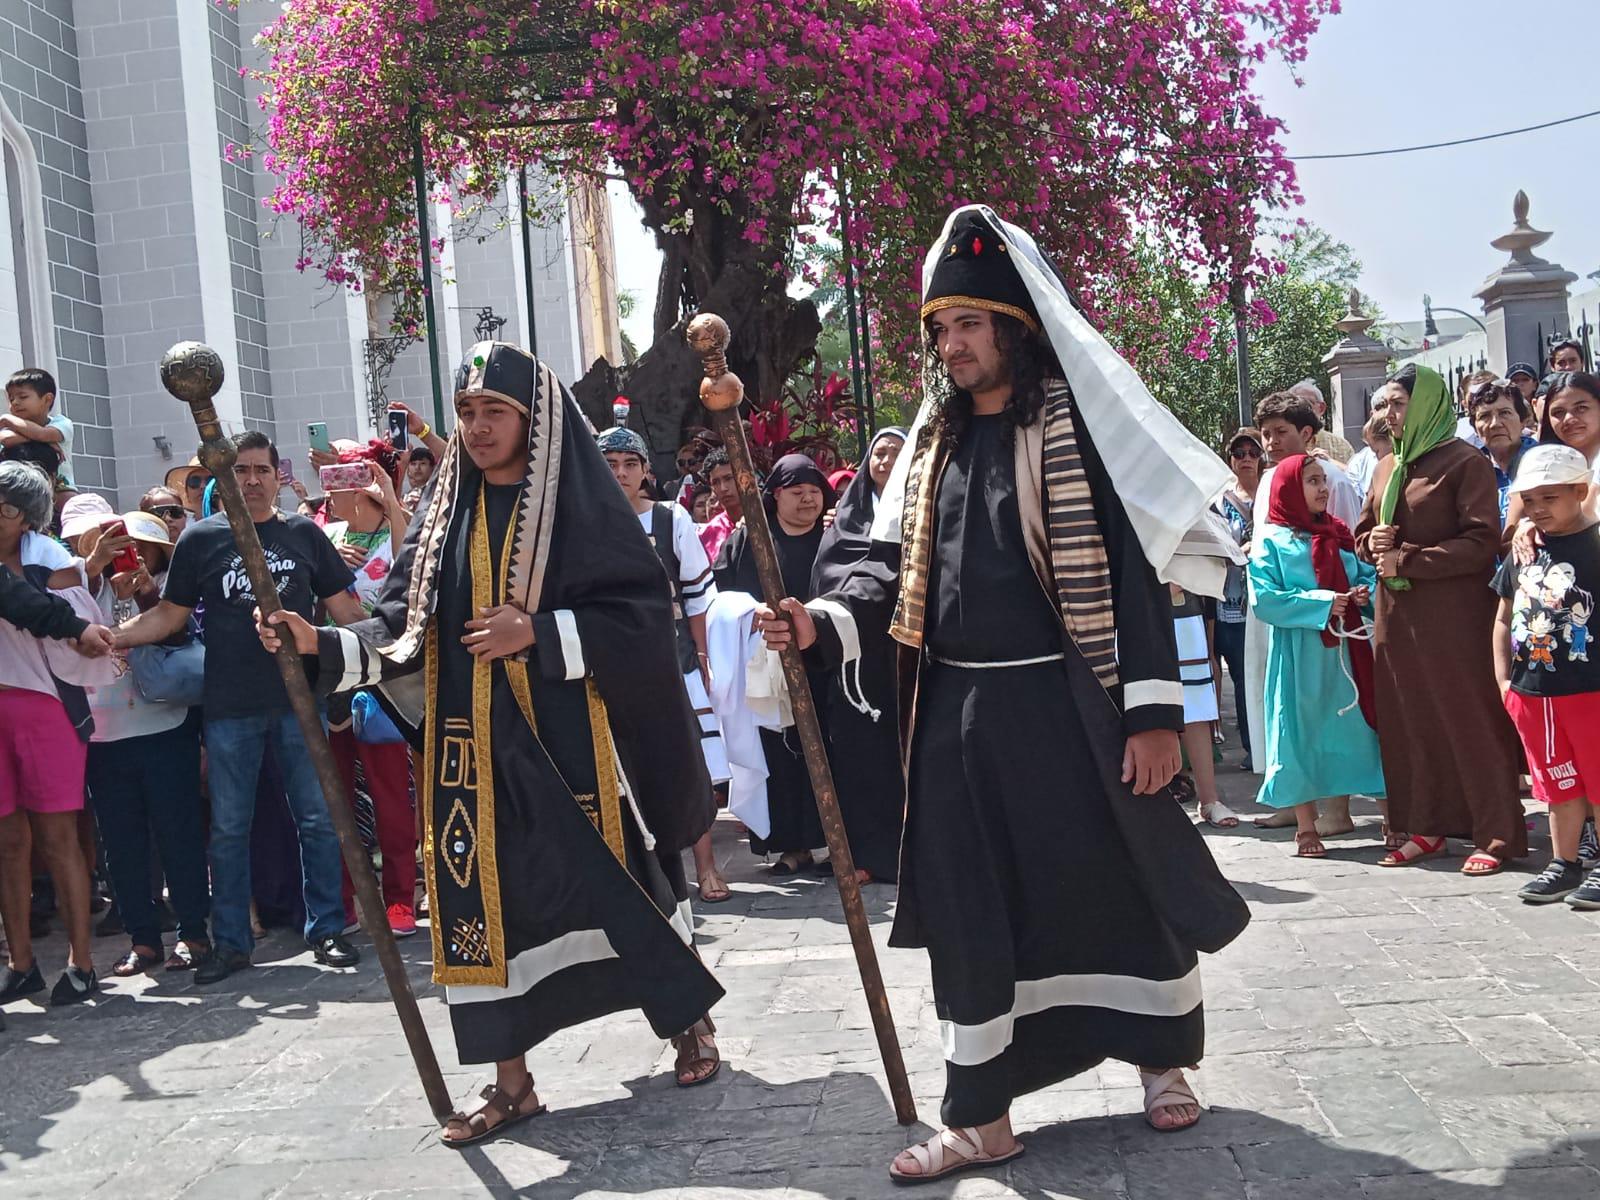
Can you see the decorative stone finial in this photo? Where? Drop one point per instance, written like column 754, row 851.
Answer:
column 192, row 371
column 1519, row 243
column 1353, row 322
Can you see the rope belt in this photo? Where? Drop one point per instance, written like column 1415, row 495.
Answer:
column 1363, row 634
column 995, row 666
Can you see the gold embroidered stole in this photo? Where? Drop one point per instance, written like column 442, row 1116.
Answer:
column 461, row 865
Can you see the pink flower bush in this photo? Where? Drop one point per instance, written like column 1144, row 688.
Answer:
column 1090, row 122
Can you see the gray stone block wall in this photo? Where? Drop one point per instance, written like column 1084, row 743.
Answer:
column 234, row 119
column 309, row 329
column 144, row 223
column 41, row 85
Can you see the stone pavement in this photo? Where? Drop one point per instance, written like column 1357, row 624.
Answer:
column 1393, row 1034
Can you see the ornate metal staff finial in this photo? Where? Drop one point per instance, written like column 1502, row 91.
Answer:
column 192, row 371
column 708, row 336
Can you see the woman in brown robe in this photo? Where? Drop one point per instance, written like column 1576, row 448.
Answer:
column 1450, row 756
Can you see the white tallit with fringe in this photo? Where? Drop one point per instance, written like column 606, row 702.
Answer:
column 1165, row 477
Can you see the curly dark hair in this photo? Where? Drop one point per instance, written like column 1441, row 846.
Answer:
column 1032, row 362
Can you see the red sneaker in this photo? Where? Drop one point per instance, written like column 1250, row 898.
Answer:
column 402, row 921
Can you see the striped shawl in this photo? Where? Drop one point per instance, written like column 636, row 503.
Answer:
column 1063, row 537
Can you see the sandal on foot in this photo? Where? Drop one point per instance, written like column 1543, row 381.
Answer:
column 949, row 1152
column 696, row 1045
column 713, row 889
column 1481, row 862
column 1393, row 839
column 134, row 963
column 1415, row 849
column 1219, row 816
column 1164, row 1090
column 184, row 956
column 501, row 1104
column 1308, row 844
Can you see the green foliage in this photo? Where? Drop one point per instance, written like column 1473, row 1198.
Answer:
column 1183, row 344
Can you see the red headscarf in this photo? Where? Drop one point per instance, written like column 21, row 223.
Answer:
column 1329, row 535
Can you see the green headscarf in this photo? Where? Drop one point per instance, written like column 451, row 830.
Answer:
column 1430, row 422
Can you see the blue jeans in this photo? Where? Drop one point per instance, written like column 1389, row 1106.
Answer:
column 233, row 751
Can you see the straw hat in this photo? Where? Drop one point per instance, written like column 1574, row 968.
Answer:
column 176, row 477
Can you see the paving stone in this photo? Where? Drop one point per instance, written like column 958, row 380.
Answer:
column 1391, row 1035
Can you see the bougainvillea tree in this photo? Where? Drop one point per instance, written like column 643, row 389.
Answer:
column 1096, row 123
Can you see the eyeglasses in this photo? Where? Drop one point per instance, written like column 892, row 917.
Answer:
column 168, row 512
column 9, row 511
column 195, row 482
column 1245, row 450
column 688, row 464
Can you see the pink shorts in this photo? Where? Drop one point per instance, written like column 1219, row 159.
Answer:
column 41, row 758
column 1561, row 736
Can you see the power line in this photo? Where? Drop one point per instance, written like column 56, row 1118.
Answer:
column 1182, row 152
column 1467, row 141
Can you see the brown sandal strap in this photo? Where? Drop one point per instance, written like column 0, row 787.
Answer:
column 498, row 1101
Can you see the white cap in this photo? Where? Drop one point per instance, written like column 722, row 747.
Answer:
column 1550, row 466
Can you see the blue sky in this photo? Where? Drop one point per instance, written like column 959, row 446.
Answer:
column 1400, row 72
column 1396, row 73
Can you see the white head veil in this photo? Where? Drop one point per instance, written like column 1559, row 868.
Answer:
column 1165, row 477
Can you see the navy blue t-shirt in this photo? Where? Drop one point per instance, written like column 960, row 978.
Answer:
column 241, row 678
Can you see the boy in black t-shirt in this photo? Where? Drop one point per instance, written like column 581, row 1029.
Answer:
column 1542, row 659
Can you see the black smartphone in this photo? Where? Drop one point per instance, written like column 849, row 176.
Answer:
column 398, row 419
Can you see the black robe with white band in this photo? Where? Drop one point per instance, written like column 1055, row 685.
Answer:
column 1062, row 914
column 560, row 786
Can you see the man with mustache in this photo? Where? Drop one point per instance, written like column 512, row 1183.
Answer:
column 1020, row 557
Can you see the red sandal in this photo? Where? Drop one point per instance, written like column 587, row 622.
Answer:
column 1415, row 850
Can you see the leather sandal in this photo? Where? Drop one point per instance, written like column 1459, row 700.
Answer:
column 693, row 1050
column 949, row 1152
column 1308, row 844
column 184, row 956
column 134, row 963
column 510, row 1110
column 1166, row 1089
column 1415, row 849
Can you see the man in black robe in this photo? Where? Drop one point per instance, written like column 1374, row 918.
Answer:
column 1018, row 558
column 562, row 775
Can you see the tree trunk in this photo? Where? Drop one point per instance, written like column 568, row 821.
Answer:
column 709, row 268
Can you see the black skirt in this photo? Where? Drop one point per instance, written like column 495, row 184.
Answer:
column 1047, row 955
column 584, row 937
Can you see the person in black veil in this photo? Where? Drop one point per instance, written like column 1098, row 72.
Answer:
column 862, row 708
column 524, row 641
column 796, row 495
column 1020, row 556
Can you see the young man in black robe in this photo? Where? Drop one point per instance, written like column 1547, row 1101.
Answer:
column 562, row 775
column 1061, row 893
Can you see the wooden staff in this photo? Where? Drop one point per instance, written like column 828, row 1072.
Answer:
column 193, row 373
column 721, row 391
